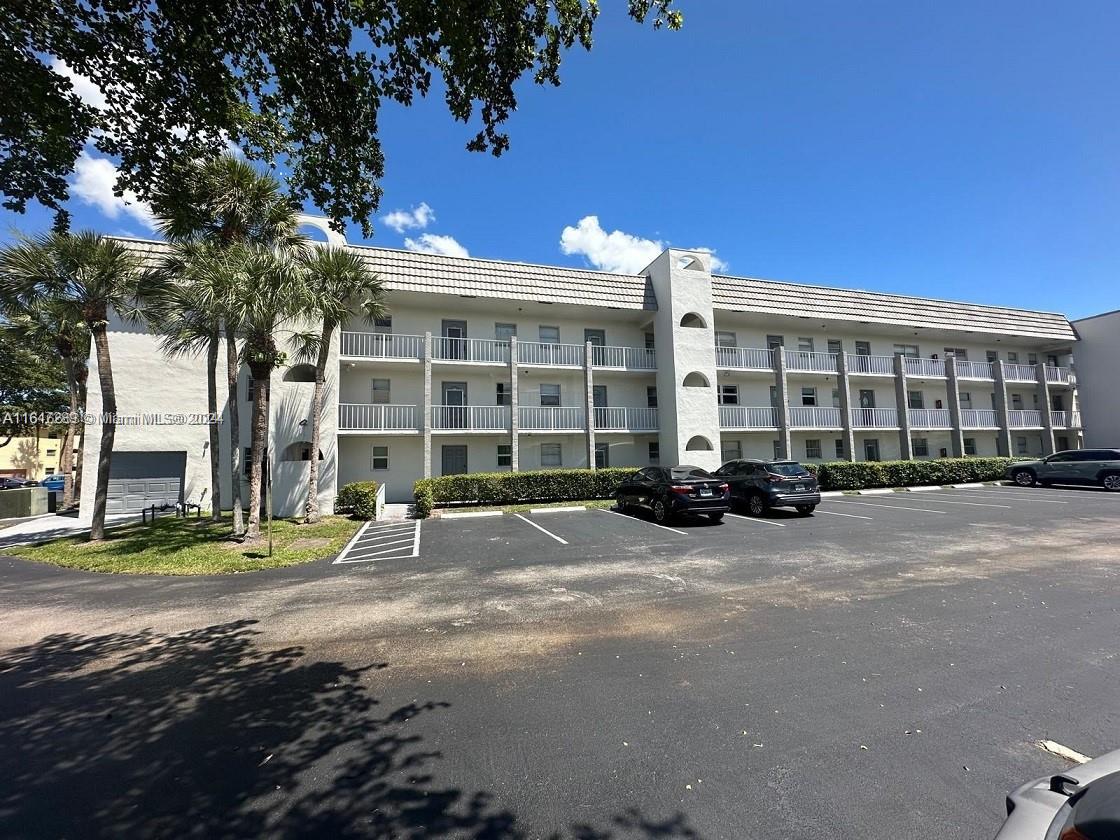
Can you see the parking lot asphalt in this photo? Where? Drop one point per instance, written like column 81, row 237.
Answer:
column 880, row 669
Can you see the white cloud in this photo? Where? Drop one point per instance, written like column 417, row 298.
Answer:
column 431, row 243
column 417, row 218
column 618, row 251
column 84, row 87
column 93, row 182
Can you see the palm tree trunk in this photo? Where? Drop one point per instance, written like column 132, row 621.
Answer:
column 66, row 457
column 108, row 429
column 258, row 443
column 311, row 509
column 215, row 444
column 232, row 370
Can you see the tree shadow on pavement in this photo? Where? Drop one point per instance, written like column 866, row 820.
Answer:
column 205, row 734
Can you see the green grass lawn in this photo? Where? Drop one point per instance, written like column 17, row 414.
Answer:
column 194, row 547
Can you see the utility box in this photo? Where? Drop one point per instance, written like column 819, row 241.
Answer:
column 24, row 501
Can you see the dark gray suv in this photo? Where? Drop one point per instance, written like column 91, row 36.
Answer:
column 1074, row 466
column 761, row 485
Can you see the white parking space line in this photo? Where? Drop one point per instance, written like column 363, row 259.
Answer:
column 375, row 542
column 1065, row 752
column 1004, row 496
column 560, row 540
column 834, row 513
column 562, row 509
column 642, row 521
column 756, row 520
column 471, row 514
column 894, row 507
column 937, row 500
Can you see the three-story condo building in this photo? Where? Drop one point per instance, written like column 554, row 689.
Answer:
column 483, row 365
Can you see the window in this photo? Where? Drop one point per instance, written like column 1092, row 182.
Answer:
column 773, row 396
column 1017, row 402
column 804, row 344
column 773, row 341
column 1021, row 445
column 970, row 446
column 725, row 339
column 379, row 458
column 839, row 447
column 502, row 394
column 696, row 380
column 1032, row 358
column 915, row 399
column 602, row 455
column 835, row 345
column 245, row 461
column 650, row 341
column 651, row 396
column 693, row 321
column 250, row 389
column 698, row 443
column 959, row 352
column 835, row 397
column 550, row 395
column 863, row 348
column 504, row 332
column 550, row 455
column 383, row 325
column 866, row 398
column 1012, row 357
column 921, row 447
column 379, row 391
column 730, row 450
column 871, row 449
column 654, row 452
column 809, row 396
column 778, row 449
column 505, row 455
column 991, row 355
column 51, row 452
column 813, row 448
column 966, row 399
column 300, row 373
column 728, row 394
column 1052, row 361
column 548, row 335
column 596, row 337
column 910, row 350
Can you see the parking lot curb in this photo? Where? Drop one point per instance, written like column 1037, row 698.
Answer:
column 972, row 486
column 877, row 491
column 563, row 509
column 470, row 514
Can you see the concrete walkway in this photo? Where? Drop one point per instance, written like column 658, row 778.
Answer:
column 49, row 526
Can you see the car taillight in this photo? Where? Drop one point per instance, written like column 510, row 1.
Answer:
column 773, row 477
column 723, row 488
column 681, row 489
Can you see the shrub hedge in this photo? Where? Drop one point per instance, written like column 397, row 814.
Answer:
column 857, row 475
column 505, row 488
column 358, row 499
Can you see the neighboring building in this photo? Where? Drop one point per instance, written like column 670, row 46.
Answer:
column 483, row 365
column 1098, row 376
column 31, row 457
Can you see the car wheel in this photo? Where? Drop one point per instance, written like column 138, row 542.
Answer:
column 621, row 504
column 660, row 512
column 805, row 510
column 715, row 517
column 1111, row 481
column 756, row 505
column 1024, row 478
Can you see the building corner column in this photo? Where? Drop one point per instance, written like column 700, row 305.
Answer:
column 845, row 383
column 902, row 403
column 781, row 381
column 1003, row 413
column 514, row 407
column 956, row 417
column 1048, row 446
column 426, row 408
column 589, row 400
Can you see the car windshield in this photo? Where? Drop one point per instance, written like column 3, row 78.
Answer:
column 684, row 472
column 787, row 468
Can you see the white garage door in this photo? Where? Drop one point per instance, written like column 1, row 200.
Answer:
column 138, row 480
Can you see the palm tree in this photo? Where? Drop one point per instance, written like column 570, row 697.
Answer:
column 339, row 282
column 56, row 323
column 271, row 292
column 225, row 202
column 93, row 275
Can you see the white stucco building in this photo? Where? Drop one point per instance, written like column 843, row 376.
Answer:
column 483, row 365
column 1098, row 370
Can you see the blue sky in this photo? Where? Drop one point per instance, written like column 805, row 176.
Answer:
column 960, row 149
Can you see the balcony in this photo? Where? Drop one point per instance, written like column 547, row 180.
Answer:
column 1025, row 419
column 747, row 417
column 870, row 365
column 470, row 418
column 1065, row 419
column 551, row 419
column 354, row 417
column 1060, row 375
column 1019, row 373
column 979, row 418
column 479, row 351
column 744, row 358
column 974, row 370
column 804, row 361
column 915, row 366
column 370, row 345
column 607, row 357
column 874, row 418
column 814, row 417
column 618, row 419
column 930, row 418
column 537, row 354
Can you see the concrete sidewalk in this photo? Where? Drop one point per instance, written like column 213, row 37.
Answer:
column 50, row 526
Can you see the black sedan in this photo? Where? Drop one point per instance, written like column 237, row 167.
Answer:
column 667, row 491
column 761, row 485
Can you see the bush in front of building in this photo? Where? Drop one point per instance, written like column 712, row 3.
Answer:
column 358, row 499
column 505, row 488
column 860, row 475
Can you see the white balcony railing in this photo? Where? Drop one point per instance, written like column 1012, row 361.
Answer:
column 915, row 366
column 874, row 418
column 379, row 417
column 551, row 418
column 871, row 365
column 1030, row 418
column 979, row 418
column 974, row 370
column 745, row 358
column 930, row 418
column 478, row 350
column 550, row 355
column 747, row 417
column 803, row 360
column 371, row 345
column 618, row 419
column 1057, row 374
column 623, row 358
column 1065, row 419
column 814, row 417
column 1018, row 373
column 471, row 418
